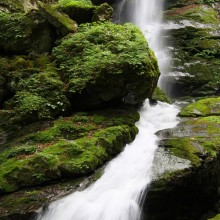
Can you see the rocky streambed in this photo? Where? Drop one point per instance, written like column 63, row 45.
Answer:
column 54, row 115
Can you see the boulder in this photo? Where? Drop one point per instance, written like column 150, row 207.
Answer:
column 106, row 63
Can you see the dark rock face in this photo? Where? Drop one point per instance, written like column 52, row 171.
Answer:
column 192, row 32
column 183, row 195
column 188, row 193
column 25, row 33
column 193, row 36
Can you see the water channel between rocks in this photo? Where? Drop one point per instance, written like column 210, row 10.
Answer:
column 118, row 194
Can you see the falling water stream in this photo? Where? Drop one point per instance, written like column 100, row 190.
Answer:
column 118, row 194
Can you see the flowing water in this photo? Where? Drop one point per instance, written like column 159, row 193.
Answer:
column 118, row 194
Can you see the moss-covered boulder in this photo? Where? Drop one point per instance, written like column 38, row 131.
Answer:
column 24, row 33
column 106, row 63
column 59, row 20
column 65, row 148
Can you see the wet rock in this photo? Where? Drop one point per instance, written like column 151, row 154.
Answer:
column 188, row 185
column 193, row 39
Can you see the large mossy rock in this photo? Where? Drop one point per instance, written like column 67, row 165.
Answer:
column 106, row 63
column 65, row 148
column 193, row 38
column 101, row 65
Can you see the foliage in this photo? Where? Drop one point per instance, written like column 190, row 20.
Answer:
column 37, row 96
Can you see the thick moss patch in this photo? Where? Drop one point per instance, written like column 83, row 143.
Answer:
column 113, row 67
column 35, row 90
column 203, row 107
column 67, row 148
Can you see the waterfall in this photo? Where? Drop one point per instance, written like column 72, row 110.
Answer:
column 118, row 194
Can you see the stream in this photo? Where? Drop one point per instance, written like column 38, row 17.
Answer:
column 119, row 193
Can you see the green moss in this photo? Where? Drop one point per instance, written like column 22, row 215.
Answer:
column 67, row 147
column 211, row 146
column 73, row 2
column 194, row 12
column 38, row 96
column 59, row 20
column 103, row 12
column 211, row 123
column 203, row 107
column 20, row 33
column 160, row 95
column 12, row 5
column 197, row 54
column 79, row 11
column 184, row 148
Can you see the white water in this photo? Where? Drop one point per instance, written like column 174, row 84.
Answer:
column 117, row 195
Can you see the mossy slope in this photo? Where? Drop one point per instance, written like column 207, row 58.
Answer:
column 68, row 147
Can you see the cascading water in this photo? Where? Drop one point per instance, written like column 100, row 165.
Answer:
column 117, row 195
